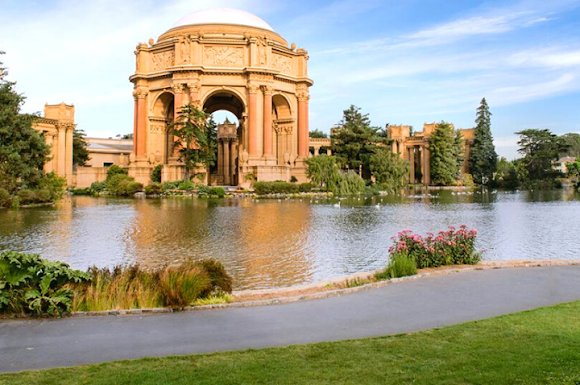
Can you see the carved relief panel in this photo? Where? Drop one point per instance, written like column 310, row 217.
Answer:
column 163, row 60
column 283, row 64
column 223, row 56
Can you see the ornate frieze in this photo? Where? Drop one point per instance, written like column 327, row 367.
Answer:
column 282, row 63
column 223, row 56
column 163, row 60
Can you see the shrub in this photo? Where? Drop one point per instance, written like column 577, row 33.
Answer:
column 54, row 185
column 123, row 185
column 186, row 185
column 43, row 196
column 217, row 191
column 170, row 185
column 154, row 188
column 305, row 187
column 82, row 191
column 33, row 285
column 293, row 179
column 5, row 198
column 156, row 174
column 451, row 247
column 276, row 187
column 115, row 170
column 26, row 196
column 98, row 187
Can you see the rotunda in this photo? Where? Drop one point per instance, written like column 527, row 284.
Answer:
column 223, row 59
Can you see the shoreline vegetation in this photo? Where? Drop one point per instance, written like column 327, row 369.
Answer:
column 545, row 341
column 33, row 286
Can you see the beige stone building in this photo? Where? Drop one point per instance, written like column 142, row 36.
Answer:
column 414, row 147
column 57, row 126
column 223, row 59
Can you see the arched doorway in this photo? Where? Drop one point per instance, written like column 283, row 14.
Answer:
column 230, row 136
column 283, row 124
column 163, row 117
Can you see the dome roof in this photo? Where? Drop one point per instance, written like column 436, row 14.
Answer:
column 223, row 16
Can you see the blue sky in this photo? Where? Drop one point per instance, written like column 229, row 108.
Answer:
column 402, row 62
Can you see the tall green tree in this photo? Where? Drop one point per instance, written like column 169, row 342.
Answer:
column 197, row 143
column 572, row 141
column 540, row 148
column 23, row 151
column 354, row 141
column 80, row 148
column 445, row 166
column 483, row 159
column 389, row 169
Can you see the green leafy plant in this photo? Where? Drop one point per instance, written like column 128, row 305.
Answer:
column 156, row 173
column 31, row 284
column 400, row 265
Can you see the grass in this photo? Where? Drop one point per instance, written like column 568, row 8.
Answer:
column 534, row 347
column 131, row 287
column 400, row 265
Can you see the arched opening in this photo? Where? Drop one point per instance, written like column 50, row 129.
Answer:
column 227, row 111
column 163, row 114
column 283, row 125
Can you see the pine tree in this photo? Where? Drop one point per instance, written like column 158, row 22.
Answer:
column 354, row 141
column 23, row 151
column 483, row 159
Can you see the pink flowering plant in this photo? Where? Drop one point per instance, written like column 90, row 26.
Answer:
column 450, row 247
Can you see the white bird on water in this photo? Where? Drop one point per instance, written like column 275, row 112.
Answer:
column 336, row 204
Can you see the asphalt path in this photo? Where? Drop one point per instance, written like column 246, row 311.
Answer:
column 398, row 308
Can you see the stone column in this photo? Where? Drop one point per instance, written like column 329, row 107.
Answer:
column 427, row 160
column 411, row 164
column 267, row 137
column 49, row 165
column 316, row 150
column 303, row 124
column 69, row 153
column 61, row 165
column 232, row 161
column 227, row 175
column 220, row 159
column 253, row 121
column 140, row 134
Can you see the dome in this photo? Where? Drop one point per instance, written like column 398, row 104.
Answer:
column 223, row 16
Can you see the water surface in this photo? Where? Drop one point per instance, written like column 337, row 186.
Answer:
column 273, row 243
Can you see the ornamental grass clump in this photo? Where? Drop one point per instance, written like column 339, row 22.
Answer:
column 450, row 247
column 132, row 287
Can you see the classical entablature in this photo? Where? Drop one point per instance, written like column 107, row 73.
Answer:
column 230, row 60
column 57, row 126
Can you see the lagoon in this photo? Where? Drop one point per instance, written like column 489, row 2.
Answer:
column 267, row 243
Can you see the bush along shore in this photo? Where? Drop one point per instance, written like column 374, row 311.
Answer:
column 31, row 285
column 410, row 251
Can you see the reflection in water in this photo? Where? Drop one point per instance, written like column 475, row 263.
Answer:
column 281, row 243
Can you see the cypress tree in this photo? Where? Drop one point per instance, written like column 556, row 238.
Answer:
column 444, row 160
column 483, row 159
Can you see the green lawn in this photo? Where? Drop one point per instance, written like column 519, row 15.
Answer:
column 535, row 347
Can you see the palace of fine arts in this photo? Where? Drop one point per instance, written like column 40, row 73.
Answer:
column 308, row 193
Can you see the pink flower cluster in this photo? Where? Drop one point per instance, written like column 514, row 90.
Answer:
column 453, row 246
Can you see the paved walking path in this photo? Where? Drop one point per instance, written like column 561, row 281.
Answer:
column 402, row 307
